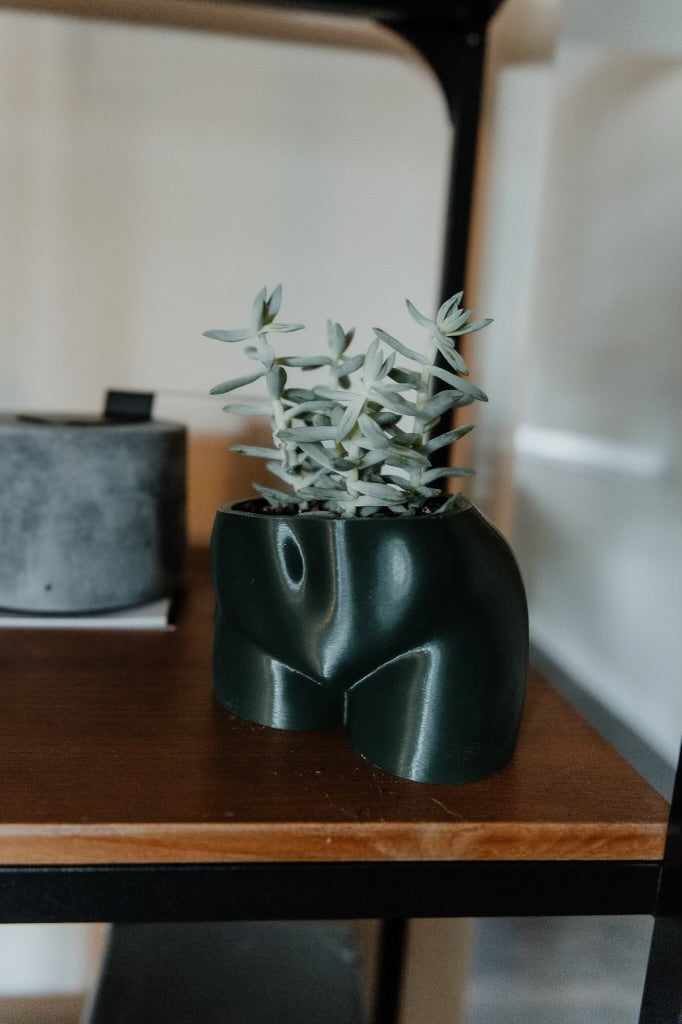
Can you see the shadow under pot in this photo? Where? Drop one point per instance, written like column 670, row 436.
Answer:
column 413, row 631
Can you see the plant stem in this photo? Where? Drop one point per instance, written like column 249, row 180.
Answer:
column 353, row 475
column 415, row 476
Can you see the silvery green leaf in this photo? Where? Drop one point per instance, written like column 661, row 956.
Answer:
column 429, row 425
column 304, row 408
column 373, row 361
column 405, row 457
column 392, row 386
column 258, row 309
column 308, row 361
column 399, row 481
column 238, row 382
column 276, row 381
column 443, row 471
column 370, row 499
column 248, row 410
column 408, row 377
column 388, row 339
column 449, row 307
column 284, row 328
column 448, row 438
column 477, row 325
column 305, row 434
column 336, row 338
column 396, row 403
column 387, row 386
column 276, row 497
column 386, row 492
column 447, row 348
column 453, row 358
column 252, row 449
column 320, row 494
column 372, row 432
column 274, row 303
column 318, row 453
column 372, row 458
column 387, row 366
column 385, row 418
column 317, row 513
column 416, row 315
column 444, row 400
column 403, row 438
column 398, row 461
column 460, row 385
column 428, row 492
column 349, row 419
column 315, row 477
column 448, row 505
column 240, row 335
column 457, row 318
column 335, row 394
column 278, row 470
column 298, row 395
column 350, row 365
column 266, row 352
column 362, row 442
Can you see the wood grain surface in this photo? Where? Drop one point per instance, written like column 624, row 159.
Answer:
column 112, row 750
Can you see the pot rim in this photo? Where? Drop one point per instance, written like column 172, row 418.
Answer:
column 463, row 504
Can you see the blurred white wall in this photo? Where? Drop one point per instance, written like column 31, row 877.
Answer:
column 580, row 453
column 49, row 959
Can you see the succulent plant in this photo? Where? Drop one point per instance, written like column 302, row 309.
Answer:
column 343, row 447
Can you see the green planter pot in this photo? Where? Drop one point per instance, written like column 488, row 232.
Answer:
column 413, row 631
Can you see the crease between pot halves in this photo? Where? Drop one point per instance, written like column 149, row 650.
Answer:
column 411, row 630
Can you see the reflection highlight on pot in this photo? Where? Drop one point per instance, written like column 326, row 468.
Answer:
column 290, row 559
column 397, row 581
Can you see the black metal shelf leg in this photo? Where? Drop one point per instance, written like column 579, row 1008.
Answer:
column 457, row 58
column 391, row 962
column 662, row 999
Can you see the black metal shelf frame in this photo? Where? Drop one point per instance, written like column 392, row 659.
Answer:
column 326, row 891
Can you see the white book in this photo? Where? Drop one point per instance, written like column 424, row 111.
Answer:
column 154, row 615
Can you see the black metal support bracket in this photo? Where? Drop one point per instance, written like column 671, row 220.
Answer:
column 296, row 891
column 662, row 998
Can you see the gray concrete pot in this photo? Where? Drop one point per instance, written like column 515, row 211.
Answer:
column 92, row 513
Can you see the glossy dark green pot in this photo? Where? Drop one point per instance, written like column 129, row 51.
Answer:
column 413, row 631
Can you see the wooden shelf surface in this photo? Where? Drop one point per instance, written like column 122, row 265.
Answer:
column 112, row 751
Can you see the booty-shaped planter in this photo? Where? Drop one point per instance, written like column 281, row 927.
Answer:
column 413, row 631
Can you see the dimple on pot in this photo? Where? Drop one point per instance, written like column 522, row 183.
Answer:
column 411, row 630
